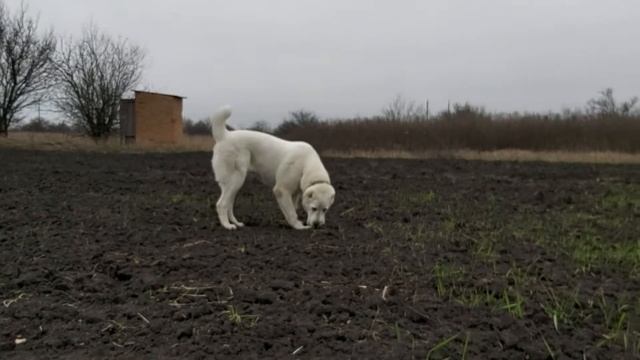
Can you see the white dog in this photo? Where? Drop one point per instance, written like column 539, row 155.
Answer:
column 293, row 169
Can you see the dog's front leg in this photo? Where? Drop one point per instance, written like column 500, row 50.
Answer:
column 297, row 203
column 285, row 201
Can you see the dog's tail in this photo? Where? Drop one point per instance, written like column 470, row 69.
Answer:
column 218, row 122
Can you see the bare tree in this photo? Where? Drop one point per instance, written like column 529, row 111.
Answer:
column 401, row 109
column 606, row 105
column 297, row 119
column 193, row 127
column 25, row 64
column 262, row 126
column 94, row 72
column 465, row 111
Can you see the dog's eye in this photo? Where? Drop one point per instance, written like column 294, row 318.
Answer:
column 324, row 210
column 314, row 209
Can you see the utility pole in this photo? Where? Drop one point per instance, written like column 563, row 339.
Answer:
column 426, row 107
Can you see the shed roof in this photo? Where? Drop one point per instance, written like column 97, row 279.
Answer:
column 157, row 93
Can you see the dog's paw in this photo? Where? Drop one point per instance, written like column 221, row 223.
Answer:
column 239, row 224
column 230, row 227
column 301, row 226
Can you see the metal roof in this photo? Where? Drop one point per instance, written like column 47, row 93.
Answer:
column 157, row 93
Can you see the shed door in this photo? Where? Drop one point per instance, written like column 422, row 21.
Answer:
column 127, row 118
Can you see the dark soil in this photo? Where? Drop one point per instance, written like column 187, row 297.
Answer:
column 120, row 256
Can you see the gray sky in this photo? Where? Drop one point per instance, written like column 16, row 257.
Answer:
column 347, row 58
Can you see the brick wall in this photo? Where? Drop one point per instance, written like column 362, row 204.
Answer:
column 158, row 118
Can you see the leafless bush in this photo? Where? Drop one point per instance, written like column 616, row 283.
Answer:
column 297, row 120
column 401, row 109
column 606, row 105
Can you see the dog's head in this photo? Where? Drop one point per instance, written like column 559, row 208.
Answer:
column 316, row 201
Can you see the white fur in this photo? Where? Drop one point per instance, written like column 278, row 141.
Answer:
column 293, row 168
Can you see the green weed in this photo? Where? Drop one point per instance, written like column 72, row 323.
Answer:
column 550, row 351
column 415, row 199
column 441, row 345
column 236, row 318
column 446, row 278
column 617, row 324
column 513, row 303
column 561, row 308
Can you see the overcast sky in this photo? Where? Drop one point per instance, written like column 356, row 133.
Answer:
column 351, row 57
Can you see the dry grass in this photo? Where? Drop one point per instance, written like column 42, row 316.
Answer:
column 74, row 142
column 605, row 157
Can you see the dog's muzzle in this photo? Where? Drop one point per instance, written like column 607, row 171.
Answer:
column 315, row 224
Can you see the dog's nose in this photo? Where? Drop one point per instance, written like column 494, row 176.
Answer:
column 316, row 225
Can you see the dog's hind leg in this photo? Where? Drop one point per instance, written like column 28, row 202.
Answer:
column 222, row 207
column 232, row 217
column 241, row 167
column 229, row 189
column 230, row 176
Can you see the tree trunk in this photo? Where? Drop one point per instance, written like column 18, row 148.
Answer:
column 4, row 128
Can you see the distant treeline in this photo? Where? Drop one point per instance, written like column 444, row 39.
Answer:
column 603, row 125
column 475, row 130
column 39, row 124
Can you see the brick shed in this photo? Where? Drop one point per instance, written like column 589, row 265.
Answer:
column 151, row 118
